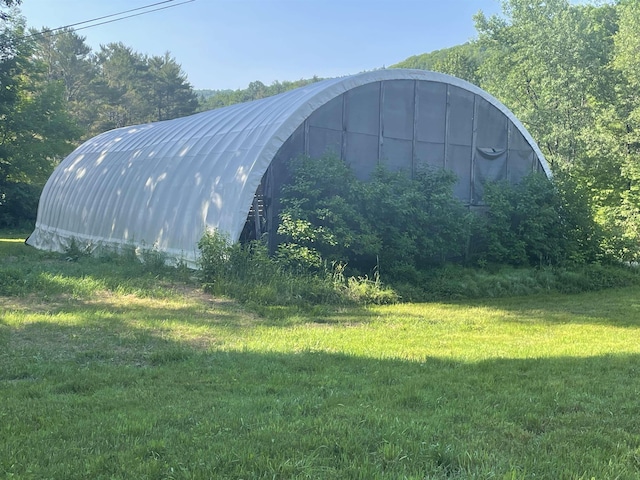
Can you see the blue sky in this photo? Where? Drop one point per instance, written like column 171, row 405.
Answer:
column 229, row 43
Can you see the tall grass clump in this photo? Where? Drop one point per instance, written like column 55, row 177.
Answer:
column 246, row 272
column 456, row 282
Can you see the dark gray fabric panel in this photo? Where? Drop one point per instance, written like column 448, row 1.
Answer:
column 490, row 154
column 361, row 154
column 538, row 166
column 489, row 166
column 431, row 114
column 363, row 109
column 397, row 154
column 521, row 156
column 491, row 125
column 517, row 140
column 324, row 140
column 397, row 109
column 329, row 115
column 439, row 110
column 521, row 164
column 293, row 147
column 431, row 154
column 459, row 162
column 460, row 117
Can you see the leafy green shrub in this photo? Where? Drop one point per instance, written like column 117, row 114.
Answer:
column 322, row 216
column 299, row 257
column 340, row 234
column 408, row 228
column 393, row 221
column 214, row 256
column 537, row 222
column 418, row 220
column 583, row 237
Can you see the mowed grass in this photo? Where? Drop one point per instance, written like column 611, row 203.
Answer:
column 108, row 373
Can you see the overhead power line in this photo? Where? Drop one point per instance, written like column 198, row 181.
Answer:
column 56, row 31
column 109, row 16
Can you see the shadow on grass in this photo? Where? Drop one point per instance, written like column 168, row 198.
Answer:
column 110, row 408
column 619, row 307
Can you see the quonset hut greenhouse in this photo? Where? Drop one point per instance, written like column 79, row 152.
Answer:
column 162, row 185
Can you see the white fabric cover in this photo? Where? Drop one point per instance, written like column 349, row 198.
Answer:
column 162, row 185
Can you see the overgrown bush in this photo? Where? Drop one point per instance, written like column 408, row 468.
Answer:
column 249, row 274
column 402, row 224
column 405, row 227
column 323, row 218
column 394, row 223
column 419, row 222
column 585, row 238
column 537, row 222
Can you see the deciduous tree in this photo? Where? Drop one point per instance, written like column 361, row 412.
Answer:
column 548, row 61
column 35, row 128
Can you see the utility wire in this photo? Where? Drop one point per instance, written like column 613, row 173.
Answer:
column 108, row 16
column 136, row 14
column 56, row 31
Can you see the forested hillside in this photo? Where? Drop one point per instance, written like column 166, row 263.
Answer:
column 210, row 99
column 462, row 61
column 571, row 73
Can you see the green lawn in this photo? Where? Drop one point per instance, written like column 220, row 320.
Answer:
column 109, row 373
